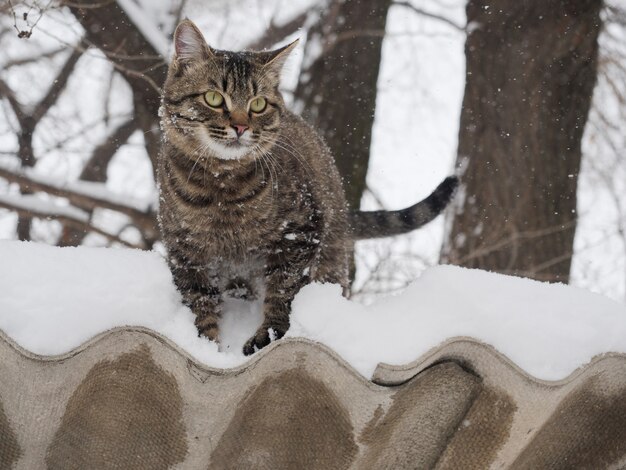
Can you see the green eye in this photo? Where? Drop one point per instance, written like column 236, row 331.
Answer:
column 258, row 104
column 214, row 99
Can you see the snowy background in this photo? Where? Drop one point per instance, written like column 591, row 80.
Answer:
column 53, row 299
column 420, row 88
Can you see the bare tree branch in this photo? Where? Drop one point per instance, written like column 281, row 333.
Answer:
column 434, row 16
column 58, row 85
column 29, row 121
column 276, row 33
column 6, row 92
column 515, row 237
column 33, row 58
column 30, row 213
column 96, row 167
column 96, row 170
column 146, row 221
column 108, row 27
column 616, row 15
column 26, row 33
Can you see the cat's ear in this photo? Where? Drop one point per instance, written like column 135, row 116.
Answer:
column 189, row 44
column 277, row 58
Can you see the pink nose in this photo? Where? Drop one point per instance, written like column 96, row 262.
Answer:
column 239, row 129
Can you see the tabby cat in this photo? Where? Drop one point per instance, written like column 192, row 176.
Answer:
column 250, row 197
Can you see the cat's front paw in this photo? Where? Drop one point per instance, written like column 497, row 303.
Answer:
column 208, row 328
column 263, row 336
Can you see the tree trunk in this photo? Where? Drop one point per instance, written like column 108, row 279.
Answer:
column 337, row 88
column 108, row 28
column 25, row 141
column 531, row 70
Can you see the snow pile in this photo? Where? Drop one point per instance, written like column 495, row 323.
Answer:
column 548, row 330
column 53, row 299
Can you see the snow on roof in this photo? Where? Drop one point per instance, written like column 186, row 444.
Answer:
column 54, row 299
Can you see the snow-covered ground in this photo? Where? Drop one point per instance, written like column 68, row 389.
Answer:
column 53, row 299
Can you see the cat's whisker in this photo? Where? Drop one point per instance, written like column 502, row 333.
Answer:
column 294, row 152
column 261, row 164
column 293, row 146
column 204, row 149
column 274, row 159
column 274, row 164
column 270, row 162
column 291, row 151
column 257, row 150
column 200, row 149
column 271, row 179
column 193, row 168
column 152, row 129
column 274, row 176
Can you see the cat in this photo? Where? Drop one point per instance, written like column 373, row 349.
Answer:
column 249, row 195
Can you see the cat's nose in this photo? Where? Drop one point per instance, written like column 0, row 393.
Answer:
column 240, row 129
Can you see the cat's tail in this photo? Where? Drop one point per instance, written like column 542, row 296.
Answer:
column 378, row 224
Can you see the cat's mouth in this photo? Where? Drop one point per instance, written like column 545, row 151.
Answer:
column 236, row 143
column 228, row 149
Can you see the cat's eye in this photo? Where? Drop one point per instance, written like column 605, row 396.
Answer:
column 257, row 105
column 214, row 99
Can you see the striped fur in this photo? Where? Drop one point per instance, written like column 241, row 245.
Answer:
column 377, row 224
column 261, row 210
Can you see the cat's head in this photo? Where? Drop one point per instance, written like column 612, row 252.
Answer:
column 221, row 104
